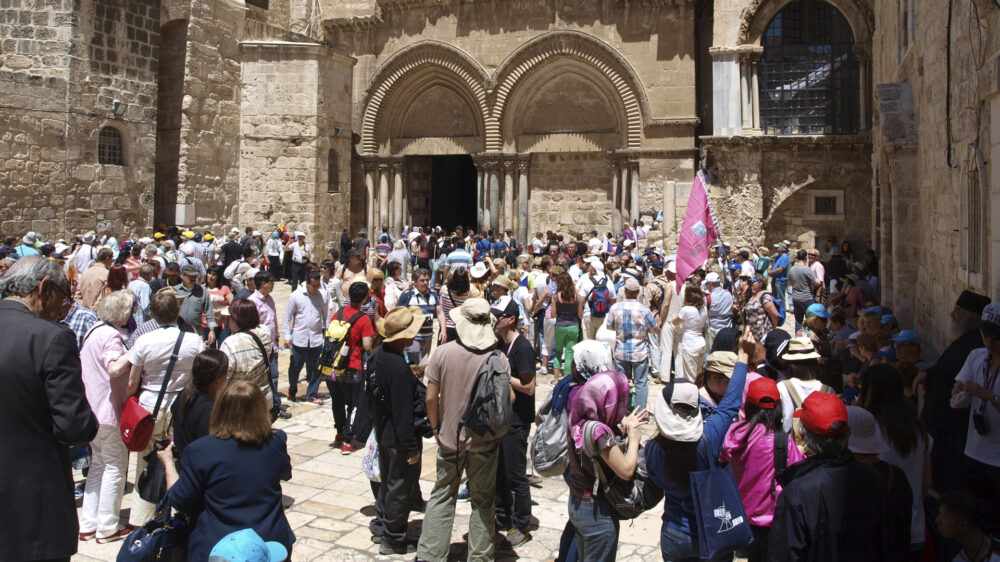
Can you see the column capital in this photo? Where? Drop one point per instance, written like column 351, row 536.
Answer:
column 370, row 162
column 523, row 163
column 863, row 50
column 488, row 161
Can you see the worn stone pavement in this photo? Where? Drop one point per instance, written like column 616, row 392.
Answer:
column 329, row 501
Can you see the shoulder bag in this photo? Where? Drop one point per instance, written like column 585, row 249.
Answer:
column 275, row 410
column 136, row 423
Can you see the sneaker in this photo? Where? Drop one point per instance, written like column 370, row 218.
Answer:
column 84, row 537
column 347, row 449
column 516, row 536
column 338, row 441
column 543, row 370
column 387, row 548
column 284, row 415
column 316, row 401
column 121, row 534
column 465, row 495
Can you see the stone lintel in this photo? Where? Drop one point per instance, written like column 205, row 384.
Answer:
column 739, row 50
column 295, row 47
column 793, row 142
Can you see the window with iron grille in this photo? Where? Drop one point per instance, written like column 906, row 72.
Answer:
column 109, row 147
column 825, row 205
column 332, row 179
column 808, row 73
column 973, row 247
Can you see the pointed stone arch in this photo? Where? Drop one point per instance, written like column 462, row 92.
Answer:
column 424, row 57
column 582, row 47
column 757, row 15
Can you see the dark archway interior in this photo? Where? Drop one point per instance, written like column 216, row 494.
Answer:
column 453, row 192
column 170, row 92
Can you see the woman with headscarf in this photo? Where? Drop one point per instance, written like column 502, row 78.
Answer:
column 399, row 255
column 273, row 250
column 604, row 398
column 686, row 443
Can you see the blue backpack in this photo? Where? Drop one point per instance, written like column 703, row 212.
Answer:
column 779, row 308
column 599, row 298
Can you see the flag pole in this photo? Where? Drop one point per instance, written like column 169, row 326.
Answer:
column 718, row 231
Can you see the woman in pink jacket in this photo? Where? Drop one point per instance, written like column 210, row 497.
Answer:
column 751, row 450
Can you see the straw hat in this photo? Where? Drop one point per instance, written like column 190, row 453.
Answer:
column 401, row 323
column 474, row 324
column 800, row 349
column 721, row 362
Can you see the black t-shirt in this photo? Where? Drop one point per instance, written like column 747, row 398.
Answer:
column 195, row 422
column 361, row 244
column 231, row 251
column 521, row 357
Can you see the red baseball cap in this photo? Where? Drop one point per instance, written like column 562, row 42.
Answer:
column 763, row 392
column 820, row 410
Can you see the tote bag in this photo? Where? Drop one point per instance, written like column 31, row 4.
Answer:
column 722, row 522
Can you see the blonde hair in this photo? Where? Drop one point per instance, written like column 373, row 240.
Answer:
column 116, row 307
column 375, row 273
column 241, row 413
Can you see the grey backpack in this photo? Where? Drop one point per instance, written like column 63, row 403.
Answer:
column 489, row 412
column 549, row 446
column 629, row 498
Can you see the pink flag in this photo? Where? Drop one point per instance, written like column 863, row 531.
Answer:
column 697, row 232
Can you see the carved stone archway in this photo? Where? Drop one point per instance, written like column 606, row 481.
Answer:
column 757, row 15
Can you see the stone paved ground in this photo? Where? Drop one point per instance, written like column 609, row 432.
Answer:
column 329, row 501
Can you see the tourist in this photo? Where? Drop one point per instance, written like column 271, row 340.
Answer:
column 333, row 285
column 450, row 378
column 362, row 246
column 306, row 319
column 631, row 320
column 750, row 449
column 105, row 366
column 670, row 334
column 150, row 355
column 906, row 436
column 221, row 297
column 779, row 275
column 817, row 267
column 692, row 319
column 420, row 294
column 802, row 370
column 92, row 285
column 346, row 388
column 568, row 313
column 513, row 497
column 759, row 310
column 140, row 288
column 804, row 287
column 354, row 270
column 959, row 519
column 246, row 348
column 831, row 507
column 273, row 251
column 395, row 284
column 214, row 486
column 375, row 306
column 192, row 411
column 85, row 255
column 197, row 304
column 45, row 411
column 395, row 419
column 301, row 253
column 593, row 280
column 268, row 315
column 720, row 308
column 686, row 443
column 231, row 250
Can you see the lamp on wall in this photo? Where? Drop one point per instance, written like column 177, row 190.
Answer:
column 119, row 108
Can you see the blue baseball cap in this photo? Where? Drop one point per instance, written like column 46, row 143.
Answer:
column 247, row 546
column 735, row 267
column 817, row 309
column 889, row 354
column 887, row 319
column 906, row 336
column 871, row 309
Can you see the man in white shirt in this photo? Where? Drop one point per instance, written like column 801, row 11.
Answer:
column 746, row 266
column 594, row 244
column 301, row 253
column 86, row 254
column 306, row 318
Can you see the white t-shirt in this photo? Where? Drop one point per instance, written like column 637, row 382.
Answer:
column 803, row 388
column 913, row 466
column 747, row 269
column 983, row 448
column 152, row 352
column 693, row 324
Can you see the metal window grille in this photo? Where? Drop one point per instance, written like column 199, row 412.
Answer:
column 825, row 205
column 332, row 177
column 809, row 74
column 109, row 147
column 975, row 219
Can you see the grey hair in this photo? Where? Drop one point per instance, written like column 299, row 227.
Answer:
column 116, row 307
column 27, row 274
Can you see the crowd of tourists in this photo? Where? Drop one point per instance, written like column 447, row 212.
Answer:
column 790, row 415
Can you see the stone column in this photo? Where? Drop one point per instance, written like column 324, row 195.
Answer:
column 616, row 194
column 633, row 190
column 524, row 222
column 383, row 196
column 480, row 198
column 624, row 194
column 397, row 196
column 669, row 209
column 750, row 90
column 494, row 187
column 509, row 169
column 725, row 92
column 863, row 52
column 371, row 172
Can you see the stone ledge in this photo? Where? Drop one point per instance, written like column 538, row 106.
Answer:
column 829, row 142
column 296, row 47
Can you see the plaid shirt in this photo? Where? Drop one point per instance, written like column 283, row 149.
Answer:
column 245, row 360
column 631, row 320
column 80, row 319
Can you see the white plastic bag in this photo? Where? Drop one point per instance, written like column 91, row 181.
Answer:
column 370, row 461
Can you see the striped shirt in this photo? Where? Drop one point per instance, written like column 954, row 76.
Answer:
column 448, row 302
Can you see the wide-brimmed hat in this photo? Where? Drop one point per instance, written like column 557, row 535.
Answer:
column 478, row 270
column 721, row 362
column 677, row 414
column 505, row 282
column 800, row 349
column 864, row 439
column 474, row 324
column 402, row 322
column 87, row 238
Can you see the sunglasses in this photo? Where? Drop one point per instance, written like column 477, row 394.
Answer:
column 67, row 300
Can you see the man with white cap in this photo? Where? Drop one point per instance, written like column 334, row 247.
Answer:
column 86, row 254
column 197, row 304
column 720, row 304
column 592, row 282
column 187, row 257
column 631, row 320
column 27, row 246
column 301, row 253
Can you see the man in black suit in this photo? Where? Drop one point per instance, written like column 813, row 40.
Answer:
column 43, row 410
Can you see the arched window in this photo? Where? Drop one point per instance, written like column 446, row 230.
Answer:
column 109, row 147
column 808, row 73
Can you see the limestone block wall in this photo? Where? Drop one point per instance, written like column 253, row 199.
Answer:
column 570, row 193
column 62, row 67
column 924, row 242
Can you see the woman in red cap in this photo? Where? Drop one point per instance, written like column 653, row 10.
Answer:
column 751, row 447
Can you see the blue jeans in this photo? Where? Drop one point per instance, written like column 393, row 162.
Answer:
column 596, row 528
column 638, row 374
column 678, row 546
column 308, row 356
column 274, row 377
column 780, row 289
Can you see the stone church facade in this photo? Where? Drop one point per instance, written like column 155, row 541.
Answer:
column 812, row 118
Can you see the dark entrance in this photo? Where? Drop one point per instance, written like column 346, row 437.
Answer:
column 453, row 192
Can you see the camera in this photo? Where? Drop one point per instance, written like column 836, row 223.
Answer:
column 979, row 422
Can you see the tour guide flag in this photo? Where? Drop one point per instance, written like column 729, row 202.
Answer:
column 697, row 232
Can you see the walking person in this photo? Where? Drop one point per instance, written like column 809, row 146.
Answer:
column 450, row 378
column 273, row 249
column 301, row 253
column 306, row 318
column 631, row 320
column 568, row 314
column 805, row 287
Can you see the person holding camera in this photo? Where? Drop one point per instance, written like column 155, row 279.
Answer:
column 976, row 387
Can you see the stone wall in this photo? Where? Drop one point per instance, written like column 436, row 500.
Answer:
column 62, row 67
column 922, row 187
column 570, row 193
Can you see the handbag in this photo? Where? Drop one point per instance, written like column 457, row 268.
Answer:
column 162, row 539
column 275, row 409
column 722, row 524
column 136, row 422
column 152, row 483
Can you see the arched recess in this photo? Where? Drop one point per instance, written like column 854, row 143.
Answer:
column 757, row 15
column 586, row 49
column 566, row 101
column 427, row 62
